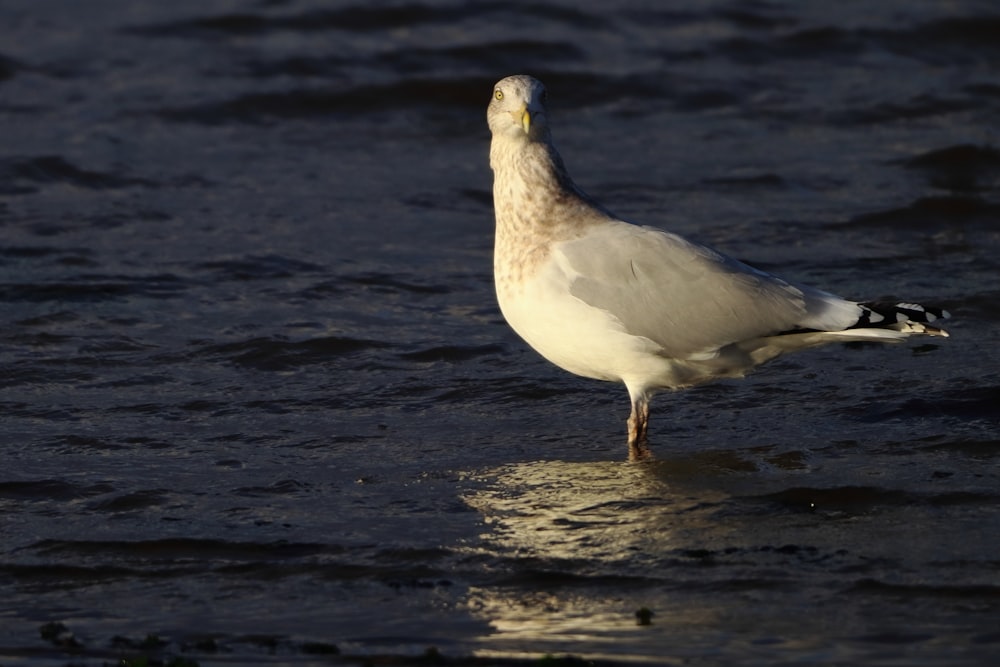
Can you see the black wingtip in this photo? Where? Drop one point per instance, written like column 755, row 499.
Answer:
column 889, row 314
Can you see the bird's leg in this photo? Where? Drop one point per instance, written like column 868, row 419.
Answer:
column 638, row 423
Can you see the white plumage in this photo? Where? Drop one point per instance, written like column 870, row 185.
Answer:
column 610, row 300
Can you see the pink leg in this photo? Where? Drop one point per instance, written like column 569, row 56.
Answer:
column 638, row 424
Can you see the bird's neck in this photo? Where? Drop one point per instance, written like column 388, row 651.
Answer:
column 531, row 188
column 536, row 204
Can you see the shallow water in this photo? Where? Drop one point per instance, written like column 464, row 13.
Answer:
column 258, row 401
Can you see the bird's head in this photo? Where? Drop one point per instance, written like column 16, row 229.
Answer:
column 517, row 109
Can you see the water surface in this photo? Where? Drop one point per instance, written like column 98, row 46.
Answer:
column 258, row 401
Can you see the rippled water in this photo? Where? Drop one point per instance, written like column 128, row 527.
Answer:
column 258, row 403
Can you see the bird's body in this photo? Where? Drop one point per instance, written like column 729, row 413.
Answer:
column 610, row 300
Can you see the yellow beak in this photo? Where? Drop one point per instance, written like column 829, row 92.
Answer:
column 523, row 116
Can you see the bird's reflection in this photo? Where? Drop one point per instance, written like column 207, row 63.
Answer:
column 553, row 511
column 577, row 546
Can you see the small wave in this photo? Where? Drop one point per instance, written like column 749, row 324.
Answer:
column 265, row 267
column 25, row 175
column 51, row 489
column 37, row 252
column 63, row 291
column 864, row 499
column 985, row 450
column 961, row 168
column 930, row 213
column 78, row 442
column 9, row 67
column 456, row 94
column 973, row 403
column 131, row 502
column 962, row 592
column 820, row 42
column 274, row 354
column 75, row 562
column 961, row 39
column 757, row 181
column 925, row 105
column 279, row 488
column 396, row 282
column 499, row 56
column 30, row 373
column 89, row 288
column 259, row 108
column 965, row 156
column 359, row 17
column 452, row 353
column 983, row 304
column 39, row 339
column 60, row 317
column 183, row 548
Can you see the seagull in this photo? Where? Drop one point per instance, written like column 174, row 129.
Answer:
column 611, row 300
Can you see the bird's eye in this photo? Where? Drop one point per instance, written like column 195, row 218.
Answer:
column 498, row 94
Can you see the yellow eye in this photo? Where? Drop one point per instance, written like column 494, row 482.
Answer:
column 498, row 94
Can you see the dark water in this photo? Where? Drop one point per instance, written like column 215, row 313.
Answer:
column 257, row 399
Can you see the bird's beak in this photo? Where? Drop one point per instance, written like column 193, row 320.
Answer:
column 523, row 116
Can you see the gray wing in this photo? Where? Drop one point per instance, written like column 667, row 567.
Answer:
column 687, row 298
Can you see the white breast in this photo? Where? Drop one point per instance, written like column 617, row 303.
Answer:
column 579, row 338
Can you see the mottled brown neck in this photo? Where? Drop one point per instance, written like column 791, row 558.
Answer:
column 532, row 192
column 536, row 205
